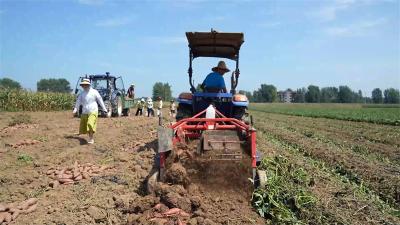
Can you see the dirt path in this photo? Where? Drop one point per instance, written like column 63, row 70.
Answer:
column 113, row 196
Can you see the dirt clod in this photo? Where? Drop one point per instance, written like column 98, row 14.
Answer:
column 177, row 174
column 96, row 213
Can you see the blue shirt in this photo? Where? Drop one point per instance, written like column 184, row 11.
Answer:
column 214, row 80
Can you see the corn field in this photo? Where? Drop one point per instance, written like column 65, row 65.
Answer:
column 21, row 100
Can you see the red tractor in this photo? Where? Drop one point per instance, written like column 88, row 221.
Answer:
column 219, row 134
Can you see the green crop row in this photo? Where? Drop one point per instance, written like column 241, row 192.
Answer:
column 351, row 112
column 286, row 196
column 21, row 100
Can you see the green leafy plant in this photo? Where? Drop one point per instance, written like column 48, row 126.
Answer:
column 25, row 158
column 21, row 100
column 286, row 194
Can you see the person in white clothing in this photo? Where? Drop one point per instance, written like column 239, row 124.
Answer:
column 149, row 105
column 89, row 98
column 159, row 106
column 172, row 108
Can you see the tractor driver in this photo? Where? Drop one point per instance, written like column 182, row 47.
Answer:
column 214, row 81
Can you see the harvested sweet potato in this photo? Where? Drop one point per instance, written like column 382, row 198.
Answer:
column 31, row 201
column 8, row 218
column 31, row 209
column 102, row 168
column 11, row 206
column 64, row 180
column 69, row 182
column 76, row 174
column 23, row 206
column 15, row 214
column 78, row 178
column 184, row 214
column 3, row 216
column 172, row 212
column 66, row 176
column 85, row 175
column 2, row 208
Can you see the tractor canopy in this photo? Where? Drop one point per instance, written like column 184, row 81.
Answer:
column 215, row 44
column 94, row 77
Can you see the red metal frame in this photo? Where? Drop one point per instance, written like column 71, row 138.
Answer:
column 191, row 128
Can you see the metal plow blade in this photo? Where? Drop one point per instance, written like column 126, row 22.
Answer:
column 222, row 145
column 165, row 136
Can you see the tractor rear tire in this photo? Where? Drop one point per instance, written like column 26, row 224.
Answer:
column 184, row 111
column 126, row 112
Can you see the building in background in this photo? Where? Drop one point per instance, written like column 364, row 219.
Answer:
column 286, row 96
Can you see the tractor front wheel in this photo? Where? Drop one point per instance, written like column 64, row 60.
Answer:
column 118, row 105
column 109, row 109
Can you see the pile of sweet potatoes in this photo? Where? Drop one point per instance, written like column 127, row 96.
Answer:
column 75, row 173
column 10, row 212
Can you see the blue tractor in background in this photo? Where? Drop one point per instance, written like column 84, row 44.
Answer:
column 220, row 45
column 112, row 90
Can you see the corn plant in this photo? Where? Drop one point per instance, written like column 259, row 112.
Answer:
column 21, row 100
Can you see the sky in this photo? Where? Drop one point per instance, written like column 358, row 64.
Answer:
column 288, row 43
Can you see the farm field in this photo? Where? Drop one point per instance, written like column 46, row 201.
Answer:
column 47, row 141
column 381, row 114
column 320, row 170
column 348, row 171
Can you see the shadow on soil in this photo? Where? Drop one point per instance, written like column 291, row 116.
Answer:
column 152, row 145
column 149, row 146
column 82, row 141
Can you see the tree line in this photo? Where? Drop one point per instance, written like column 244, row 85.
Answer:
column 314, row 94
column 62, row 85
column 266, row 92
column 44, row 85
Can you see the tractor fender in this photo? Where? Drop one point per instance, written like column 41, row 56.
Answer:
column 114, row 97
column 240, row 104
column 184, row 101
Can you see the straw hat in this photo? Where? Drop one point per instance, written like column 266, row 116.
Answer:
column 85, row 82
column 221, row 65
